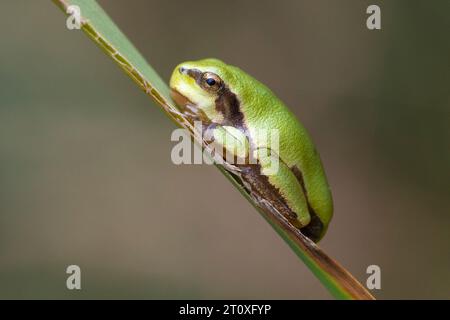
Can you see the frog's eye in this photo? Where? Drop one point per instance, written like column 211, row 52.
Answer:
column 211, row 81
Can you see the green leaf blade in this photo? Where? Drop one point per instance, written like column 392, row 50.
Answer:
column 102, row 30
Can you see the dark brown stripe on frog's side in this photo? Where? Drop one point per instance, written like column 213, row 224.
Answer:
column 228, row 104
column 315, row 227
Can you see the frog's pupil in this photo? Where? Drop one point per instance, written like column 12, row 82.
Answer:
column 210, row 81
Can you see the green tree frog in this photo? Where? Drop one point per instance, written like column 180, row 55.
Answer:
column 226, row 98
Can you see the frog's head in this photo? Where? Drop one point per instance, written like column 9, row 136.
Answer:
column 201, row 83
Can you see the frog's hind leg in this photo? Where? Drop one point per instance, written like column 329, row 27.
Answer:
column 281, row 188
column 315, row 229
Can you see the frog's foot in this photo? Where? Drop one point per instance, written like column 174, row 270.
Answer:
column 208, row 132
column 231, row 168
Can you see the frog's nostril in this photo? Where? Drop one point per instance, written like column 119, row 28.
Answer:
column 182, row 70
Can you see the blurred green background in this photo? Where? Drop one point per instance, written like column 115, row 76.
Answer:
column 86, row 176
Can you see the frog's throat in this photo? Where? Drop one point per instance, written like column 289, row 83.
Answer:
column 180, row 99
column 188, row 108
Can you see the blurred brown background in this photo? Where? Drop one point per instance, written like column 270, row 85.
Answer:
column 86, row 176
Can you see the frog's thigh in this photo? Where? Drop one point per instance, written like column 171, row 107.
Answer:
column 232, row 140
column 281, row 176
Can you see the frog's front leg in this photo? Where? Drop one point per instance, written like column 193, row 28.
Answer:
column 229, row 145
